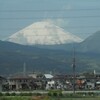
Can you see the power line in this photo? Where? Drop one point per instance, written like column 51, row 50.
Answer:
column 51, row 10
column 31, row 18
column 50, row 35
column 40, row 28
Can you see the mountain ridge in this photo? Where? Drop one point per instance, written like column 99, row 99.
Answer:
column 91, row 44
column 12, row 56
column 43, row 33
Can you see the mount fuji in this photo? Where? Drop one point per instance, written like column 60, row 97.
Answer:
column 43, row 33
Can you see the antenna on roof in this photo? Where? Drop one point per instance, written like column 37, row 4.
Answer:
column 24, row 69
column 94, row 72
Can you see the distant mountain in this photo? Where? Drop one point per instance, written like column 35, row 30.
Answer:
column 91, row 44
column 43, row 33
column 13, row 56
column 45, row 58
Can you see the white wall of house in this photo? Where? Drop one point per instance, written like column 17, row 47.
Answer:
column 50, row 84
column 90, row 85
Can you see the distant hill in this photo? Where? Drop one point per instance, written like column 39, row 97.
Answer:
column 13, row 56
column 91, row 44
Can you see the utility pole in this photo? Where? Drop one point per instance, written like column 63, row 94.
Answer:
column 74, row 66
column 24, row 69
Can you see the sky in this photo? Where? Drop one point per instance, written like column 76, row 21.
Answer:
column 79, row 17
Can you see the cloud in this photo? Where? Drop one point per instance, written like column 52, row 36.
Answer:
column 59, row 22
column 67, row 7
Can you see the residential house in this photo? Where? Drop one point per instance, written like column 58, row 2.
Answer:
column 21, row 83
column 2, row 81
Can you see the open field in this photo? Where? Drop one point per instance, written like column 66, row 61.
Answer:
column 50, row 95
column 78, row 99
column 15, row 98
column 45, row 98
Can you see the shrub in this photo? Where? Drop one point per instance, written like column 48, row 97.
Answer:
column 30, row 94
column 13, row 94
column 49, row 94
column 91, row 93
column 3, row 98
column 55, row 94
column 7, row 94
column 38, row 94
column 60, row 94
column 1, row 94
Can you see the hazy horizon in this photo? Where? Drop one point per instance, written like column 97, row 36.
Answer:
column 79, row 17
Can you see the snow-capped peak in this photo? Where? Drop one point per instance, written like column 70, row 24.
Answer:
column 43, row 33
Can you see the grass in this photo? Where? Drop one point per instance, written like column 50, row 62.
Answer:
column 50, row 98
column 15, row 98
column 78, row 99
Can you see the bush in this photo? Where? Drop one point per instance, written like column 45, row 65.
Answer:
column 71, row 95
column 60, row 94
column 13, row 94
column 55, row 94
column 38, row 94
column 49, row 94
column 1, row 94
column 3, row 98
column 7, row 94
column 91, row 94
column 30, row 94
column 23, row 94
